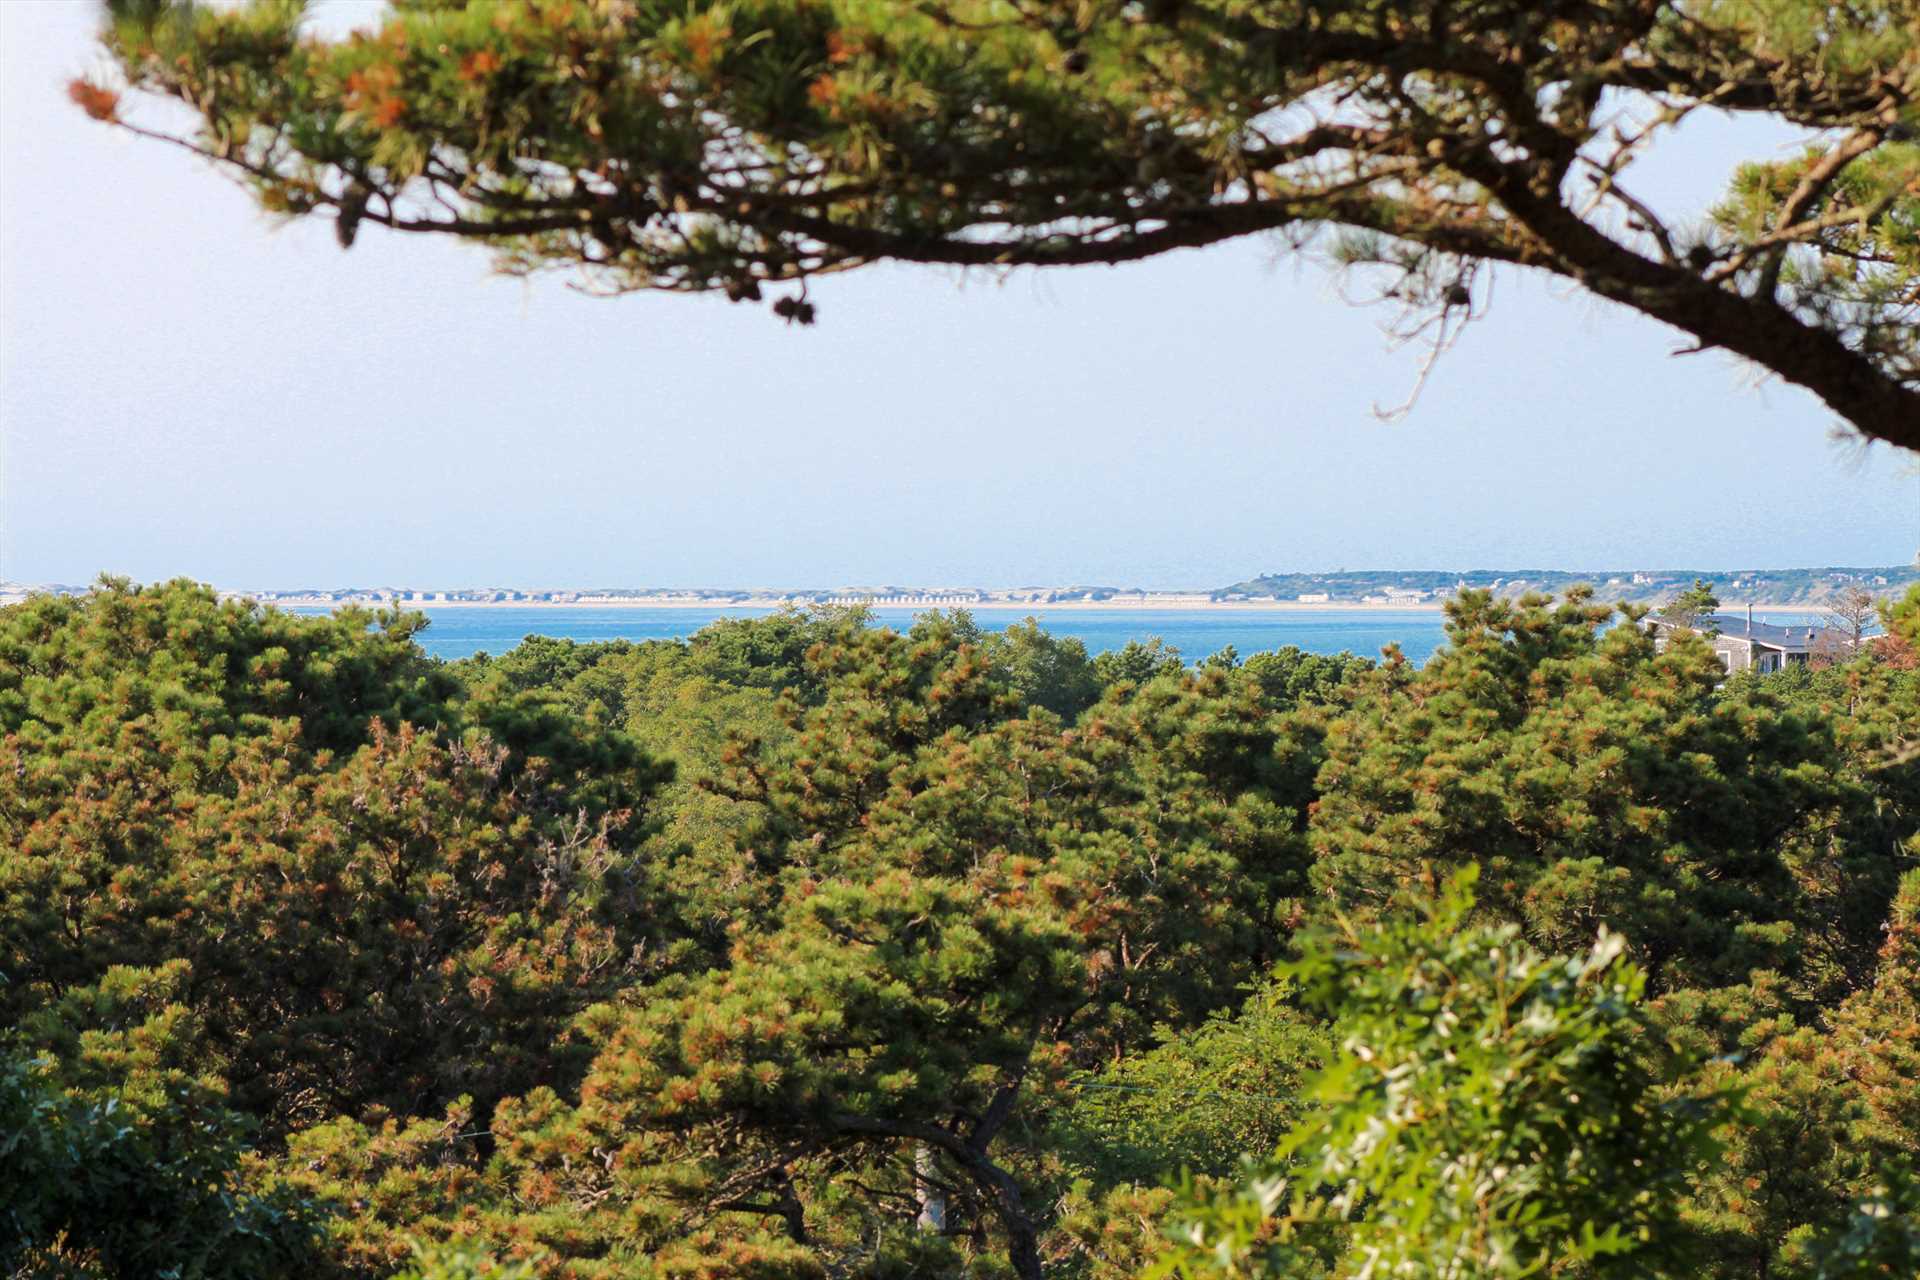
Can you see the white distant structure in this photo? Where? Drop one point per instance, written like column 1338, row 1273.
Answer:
column 905, row 600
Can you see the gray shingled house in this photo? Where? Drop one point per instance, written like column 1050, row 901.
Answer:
column 1742, row 643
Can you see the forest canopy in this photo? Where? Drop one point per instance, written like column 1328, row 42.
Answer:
column 749, row 146
column 806, row 948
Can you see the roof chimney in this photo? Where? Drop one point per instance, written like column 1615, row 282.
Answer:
column 1749, row 617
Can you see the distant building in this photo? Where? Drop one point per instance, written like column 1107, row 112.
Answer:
column 907, row 600
column 1315, row 597
column 1741, row 643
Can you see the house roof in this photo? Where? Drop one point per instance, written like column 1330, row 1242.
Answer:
column 1738, row 628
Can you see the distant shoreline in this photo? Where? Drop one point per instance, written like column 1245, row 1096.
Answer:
column 984, row 606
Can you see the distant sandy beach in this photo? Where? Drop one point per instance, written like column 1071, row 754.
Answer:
column 983, row 606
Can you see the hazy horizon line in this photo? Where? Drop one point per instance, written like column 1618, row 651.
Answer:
column 900, row 587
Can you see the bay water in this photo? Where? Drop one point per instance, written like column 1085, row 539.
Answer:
column 461, row 631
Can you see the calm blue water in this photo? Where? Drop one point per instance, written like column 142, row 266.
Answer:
column 461, row 632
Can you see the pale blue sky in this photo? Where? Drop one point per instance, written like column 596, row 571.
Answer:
column 185, row 389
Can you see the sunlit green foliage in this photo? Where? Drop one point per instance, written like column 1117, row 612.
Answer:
column 381, row 891
column 145, row 1179
column 1491, row 1111
column 1053, row 672
column 1291, row 677
column 461, row 1264
column 1496, row 1112
column 1136, row 663
column 1834, row 1120
column 1200, row 1099
column 1689, row 607
column 1598, row 780
column 749, row 957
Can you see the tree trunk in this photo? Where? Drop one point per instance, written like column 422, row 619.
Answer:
column 933, row 1201
column 1023, row 1237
